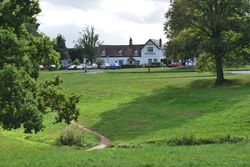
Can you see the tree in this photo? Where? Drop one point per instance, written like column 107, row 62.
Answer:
column 220, row 27
column 18, row 14
column 23, row 98
column 89, row 43
column 61, row 48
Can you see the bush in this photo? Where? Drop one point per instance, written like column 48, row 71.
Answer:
column 76, row 62
column 130, row 66
column 190, row 139
column 155, row 65
column 72, row 136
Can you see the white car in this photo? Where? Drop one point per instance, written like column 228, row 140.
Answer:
column 80, row 67
column 72, row 67
column 93, row 66
column 52, row 67
column 41, row 67
column 105, row 66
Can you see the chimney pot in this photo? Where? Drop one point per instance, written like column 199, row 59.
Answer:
column 130, row 43
column 160, row 42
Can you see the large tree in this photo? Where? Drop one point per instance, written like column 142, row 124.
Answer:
column 60, row 47
column 89, row 43
column 23, row 98
column 220, row 27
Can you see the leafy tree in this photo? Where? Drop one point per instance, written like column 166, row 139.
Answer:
column 60, row 47
column 23, row 98
column 183, row 46
column 220, row 27
column 19, row 13
column 89, row 43
column 76, row 62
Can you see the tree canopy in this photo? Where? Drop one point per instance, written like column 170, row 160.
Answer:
column 214, row 30
column 61, row 48
column 89, row 43
column 23, row 98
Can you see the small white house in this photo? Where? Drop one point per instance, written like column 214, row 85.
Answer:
column 150, row 52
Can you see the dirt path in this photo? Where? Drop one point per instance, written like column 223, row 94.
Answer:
column 240, row 72
column 104, row 140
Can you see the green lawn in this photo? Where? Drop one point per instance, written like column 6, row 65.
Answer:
column 134, row 108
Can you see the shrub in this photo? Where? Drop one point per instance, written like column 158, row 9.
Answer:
column 72, row 136
column 155, row 65
column 184, row 139
column 190, row 139
column 130, row 66
column 76, row 62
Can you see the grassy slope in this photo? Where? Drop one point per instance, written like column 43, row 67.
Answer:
column 132, row 106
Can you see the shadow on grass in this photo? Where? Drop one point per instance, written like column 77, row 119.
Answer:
column 167, row 109
column 155, row 70
column 208, row 83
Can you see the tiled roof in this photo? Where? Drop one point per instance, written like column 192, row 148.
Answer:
column 126, row 50
column 121, row 50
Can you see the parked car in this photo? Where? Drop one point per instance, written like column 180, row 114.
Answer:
column 93, row 66
column 52, row 67
column 80, row 67
column 115, row 66
column 72, row 67
column 105, row 66
column 41, row 67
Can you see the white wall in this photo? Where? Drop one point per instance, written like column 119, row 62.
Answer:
column 156, row 54
column 145, row 56
column 112, row 60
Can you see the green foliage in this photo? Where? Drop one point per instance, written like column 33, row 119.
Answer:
column 171, row 101
column 206, row 63
column 99, row 62
column 61, row 48
column 155, row 65
column 89, row 43
column 16, row 14
column 19, row 104
column 12, row 50
column 76, row 62
column 187, row 139
column 183, row 46
column 216, row 28
column 54, row 97
column 72, row 136
column 24, row 100
column 42, row 51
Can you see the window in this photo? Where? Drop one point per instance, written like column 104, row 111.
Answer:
column 150, row 49
column 155, row 60
column 120, row 52
column 121, row 62
column 136, row 53
column 149, row 61
column 103, row 53
column 137, row 62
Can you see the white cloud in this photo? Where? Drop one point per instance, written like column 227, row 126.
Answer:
column 115, row 20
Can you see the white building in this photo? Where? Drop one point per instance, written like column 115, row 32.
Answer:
column 150, row 52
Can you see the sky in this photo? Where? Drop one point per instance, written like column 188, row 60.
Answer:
column 114, row 20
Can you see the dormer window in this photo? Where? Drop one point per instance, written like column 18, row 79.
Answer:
column 150, row 49
column 120, row 52
column 103, row 53
column 136, row 53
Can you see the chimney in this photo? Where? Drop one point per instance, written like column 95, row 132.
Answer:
column 130, row 43
column 160, row 42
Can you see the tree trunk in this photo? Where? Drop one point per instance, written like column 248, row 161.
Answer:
column 219, row 70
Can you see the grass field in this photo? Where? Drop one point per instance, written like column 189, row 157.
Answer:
column 138, row 111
